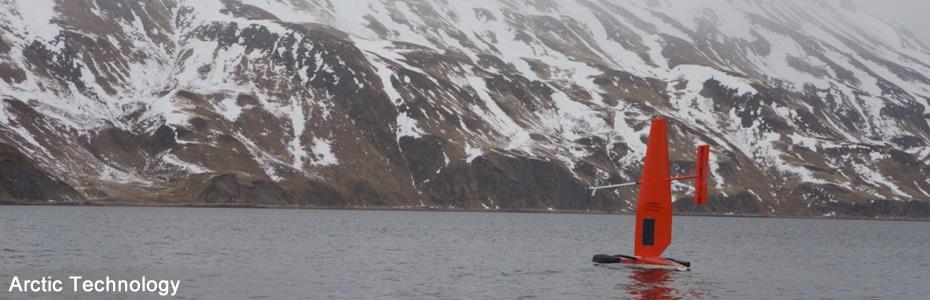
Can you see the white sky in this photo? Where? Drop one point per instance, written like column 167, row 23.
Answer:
column 911, row 14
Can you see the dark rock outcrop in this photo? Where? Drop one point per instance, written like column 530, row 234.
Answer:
column 511, row 182
column 22, row 180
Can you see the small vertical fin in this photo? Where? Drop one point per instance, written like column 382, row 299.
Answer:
column 700, row 177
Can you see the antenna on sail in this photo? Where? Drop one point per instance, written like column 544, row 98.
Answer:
column 702, row 161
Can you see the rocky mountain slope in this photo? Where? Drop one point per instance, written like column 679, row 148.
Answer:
column 811, row 107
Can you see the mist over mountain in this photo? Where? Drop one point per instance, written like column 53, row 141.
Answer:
column 811, row 107
column 905, row 13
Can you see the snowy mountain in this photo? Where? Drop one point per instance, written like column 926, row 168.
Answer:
column 811, row 107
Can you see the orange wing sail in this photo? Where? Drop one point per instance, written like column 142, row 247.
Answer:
column 654, row 203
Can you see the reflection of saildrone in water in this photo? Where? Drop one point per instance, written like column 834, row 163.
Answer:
column 651, row 284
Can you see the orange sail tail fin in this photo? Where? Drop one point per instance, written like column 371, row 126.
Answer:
column 654, row 203
column 700, row 178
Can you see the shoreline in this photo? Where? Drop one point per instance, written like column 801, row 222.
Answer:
column 432, row 209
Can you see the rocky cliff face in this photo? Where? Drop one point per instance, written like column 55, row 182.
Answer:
column 812, row 107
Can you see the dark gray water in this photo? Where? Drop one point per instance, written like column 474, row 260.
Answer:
column 264, row 253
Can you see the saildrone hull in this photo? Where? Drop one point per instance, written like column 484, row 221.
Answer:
column 651, row 263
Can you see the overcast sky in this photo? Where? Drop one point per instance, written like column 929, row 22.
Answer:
column 911, row 14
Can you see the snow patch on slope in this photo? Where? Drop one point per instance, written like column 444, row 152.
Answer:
column 298, row 125
column 323, row 151
column 39, row 16
column 173, row 160
column 229, row 109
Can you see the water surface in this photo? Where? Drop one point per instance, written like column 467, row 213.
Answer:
column 271, row 253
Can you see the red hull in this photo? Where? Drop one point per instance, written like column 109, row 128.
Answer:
column 642, row 262
column 654, row 263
